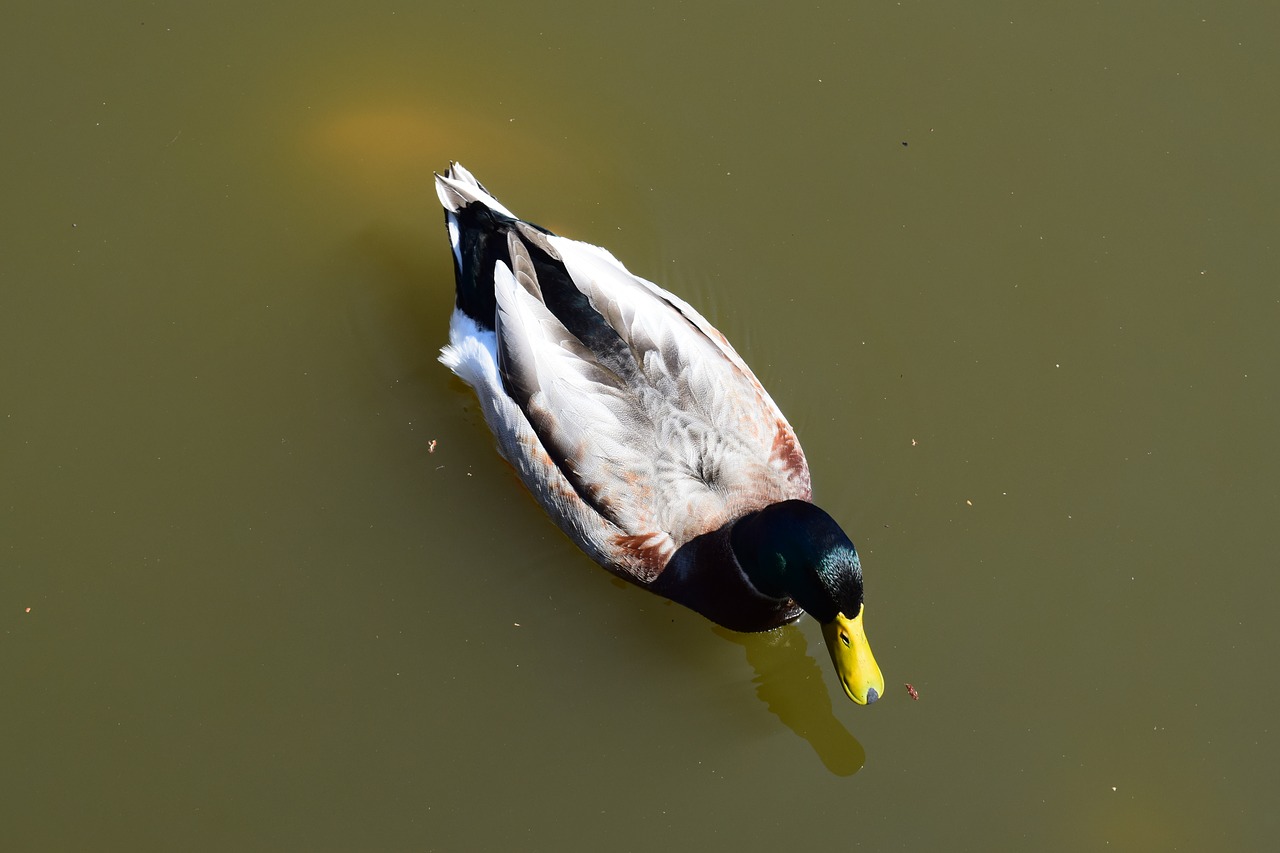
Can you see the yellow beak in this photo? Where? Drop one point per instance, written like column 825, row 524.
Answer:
column 850, row 652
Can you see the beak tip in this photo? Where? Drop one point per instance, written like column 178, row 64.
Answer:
column 872, row 695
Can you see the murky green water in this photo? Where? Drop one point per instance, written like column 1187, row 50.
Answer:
column 1012, row 273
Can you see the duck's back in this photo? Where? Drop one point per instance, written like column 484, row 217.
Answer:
column 631, row 419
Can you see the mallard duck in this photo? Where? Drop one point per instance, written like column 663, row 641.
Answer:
column 643, row 433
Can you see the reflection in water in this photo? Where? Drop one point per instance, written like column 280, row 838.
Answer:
column 374, row 153
column 792, row 685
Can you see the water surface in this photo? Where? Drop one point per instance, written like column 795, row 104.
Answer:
column 1011, row 272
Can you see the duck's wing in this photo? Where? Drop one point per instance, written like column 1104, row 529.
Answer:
column 636, row 406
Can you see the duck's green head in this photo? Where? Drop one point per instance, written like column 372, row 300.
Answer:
column 795, row 550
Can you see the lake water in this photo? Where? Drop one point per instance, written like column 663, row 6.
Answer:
column 1012, row 272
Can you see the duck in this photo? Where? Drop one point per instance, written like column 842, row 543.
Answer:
column 643, row 434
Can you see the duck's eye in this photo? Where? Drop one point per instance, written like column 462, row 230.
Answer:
column 844, row 638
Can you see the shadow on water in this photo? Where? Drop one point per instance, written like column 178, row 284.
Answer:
column 793, row 686
column 400, row 305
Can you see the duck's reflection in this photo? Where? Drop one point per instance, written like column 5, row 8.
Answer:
column 792, row 685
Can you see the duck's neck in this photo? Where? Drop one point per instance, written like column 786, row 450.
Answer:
column 755, row 545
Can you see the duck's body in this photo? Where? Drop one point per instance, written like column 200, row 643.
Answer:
column 628, row 416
